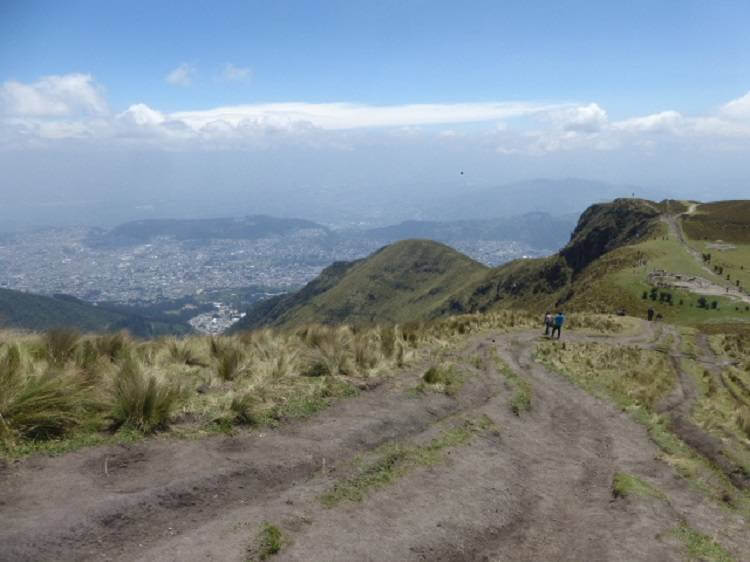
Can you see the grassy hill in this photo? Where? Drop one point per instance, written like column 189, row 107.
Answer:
column 605, row 267
column 723, row 220
column 405, row 281
column 37, row 312
column 552, row 282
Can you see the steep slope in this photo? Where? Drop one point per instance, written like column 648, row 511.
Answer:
column 550, row 282
column 37, row 312
column 404, row 281
column 608, row 265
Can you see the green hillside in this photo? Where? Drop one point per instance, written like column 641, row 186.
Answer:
column 723, row 220
column 405, row 281
column 607, row 266
column 547, row 283
column 37, row 312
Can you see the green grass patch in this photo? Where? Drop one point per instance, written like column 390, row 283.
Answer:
column 72, row 442
column 701, row 547
column 443, row 378
column 624, row 485
column 521, row 399
column 394, row 460
column 269, row 542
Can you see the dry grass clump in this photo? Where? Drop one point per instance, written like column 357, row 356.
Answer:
column 628, row 374
column 228, row 363
column 139, row 401
column 39, row 406
column 62, row 383
column 60, row 345
column 742, row 419
column 112, row 345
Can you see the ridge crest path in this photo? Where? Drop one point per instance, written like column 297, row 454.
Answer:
column 539, row 488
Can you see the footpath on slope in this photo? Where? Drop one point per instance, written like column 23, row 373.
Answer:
column 698, row 285
column 538, row 487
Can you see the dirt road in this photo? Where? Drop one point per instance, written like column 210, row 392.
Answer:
column 700, row 286
column 536, row 487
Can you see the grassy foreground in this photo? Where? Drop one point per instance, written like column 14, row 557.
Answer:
column 61, row 390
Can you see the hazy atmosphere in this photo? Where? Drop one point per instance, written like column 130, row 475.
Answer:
column 384, row 281
column 342, row 112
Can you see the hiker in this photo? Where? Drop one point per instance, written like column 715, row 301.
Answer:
column 650, row 314
column 557, row 324
column 547, row 322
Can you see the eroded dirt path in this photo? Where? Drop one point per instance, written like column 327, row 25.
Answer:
column 699, row 286
column 537, row 487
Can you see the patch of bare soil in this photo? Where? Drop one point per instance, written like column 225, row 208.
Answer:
column 540, row 488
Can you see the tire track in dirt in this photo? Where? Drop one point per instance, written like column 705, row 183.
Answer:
column 69, row 505
column 540, row 490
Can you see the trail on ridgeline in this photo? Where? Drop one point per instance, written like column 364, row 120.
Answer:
column 530, row 485
column 701, row 286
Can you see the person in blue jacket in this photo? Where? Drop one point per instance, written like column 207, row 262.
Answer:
column 558, row 324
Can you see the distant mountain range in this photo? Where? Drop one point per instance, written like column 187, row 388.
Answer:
column 245, row 228
column 539, row 230
column 557, row 197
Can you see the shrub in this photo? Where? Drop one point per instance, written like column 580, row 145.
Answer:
column 140, row 402
column 60, row 345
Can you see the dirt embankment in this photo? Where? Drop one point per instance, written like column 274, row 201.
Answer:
column 537, row 486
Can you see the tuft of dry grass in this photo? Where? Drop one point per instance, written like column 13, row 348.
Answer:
column 37, row 407
column 60, row 345
column 257, row 377
column 139, row 401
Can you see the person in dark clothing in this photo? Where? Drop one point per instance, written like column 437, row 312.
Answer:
column 557, row 324
column 547, row 322
column 650, row 314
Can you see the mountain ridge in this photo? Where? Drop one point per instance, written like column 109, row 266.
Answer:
column 535, row 284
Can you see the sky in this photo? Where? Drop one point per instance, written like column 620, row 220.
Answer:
column 130, row 102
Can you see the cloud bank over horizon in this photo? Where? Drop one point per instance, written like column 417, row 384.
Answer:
column 73, row 107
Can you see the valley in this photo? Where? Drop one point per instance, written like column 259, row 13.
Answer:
column 406, row 405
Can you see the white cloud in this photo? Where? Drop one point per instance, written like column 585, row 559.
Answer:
column 232, row 73
column 738, row 108
column 337, row 116
column 141, row 114
column 182, row 75
column 72, row 106
column 586, row 118
column 663, row 122
column 53, row 96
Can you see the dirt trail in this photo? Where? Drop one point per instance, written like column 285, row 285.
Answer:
column 699, row 286
column 539, row 488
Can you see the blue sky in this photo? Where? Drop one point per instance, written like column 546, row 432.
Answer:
column 633, row 57
column 645, row 92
